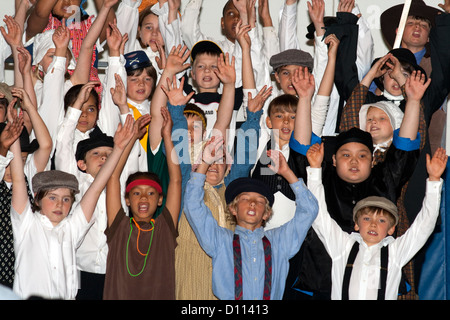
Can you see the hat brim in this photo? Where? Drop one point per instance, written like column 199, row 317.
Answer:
column 390, row 19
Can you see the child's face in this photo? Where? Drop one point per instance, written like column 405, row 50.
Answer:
column 89, row 115
column 284, row 77
column 139, row 88
column 216, row 172
column 195, row 128
column 203, row 72
column 94, row 160
column 149, row 32
column 282, row 124
column 391, row 85
column 143, row 201
column 251, row 210
column 416, row 33
column 373, row 227
column 378, row 125
column 65, row 8
column 7, row 176
column 56, row 204
column 353, row 162
column 229, row 21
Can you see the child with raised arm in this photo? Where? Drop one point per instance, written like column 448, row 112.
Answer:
column 141, row 247
column 51, row 223
column 367, row 264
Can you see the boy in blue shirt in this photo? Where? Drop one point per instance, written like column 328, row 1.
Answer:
column 236, row 275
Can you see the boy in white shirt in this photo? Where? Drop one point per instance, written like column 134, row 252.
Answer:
column 375, row 220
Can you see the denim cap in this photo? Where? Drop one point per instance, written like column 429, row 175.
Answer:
column 245, row 184
column 136, row 60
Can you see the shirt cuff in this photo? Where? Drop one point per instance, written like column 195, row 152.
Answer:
column 314, row 174
column 406, row 144
column 301, row 148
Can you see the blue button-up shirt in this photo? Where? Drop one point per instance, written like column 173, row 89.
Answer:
column 218, row 243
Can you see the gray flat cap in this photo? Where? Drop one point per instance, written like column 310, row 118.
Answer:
column 379, row 202
column 292, row 57
column 53, row 179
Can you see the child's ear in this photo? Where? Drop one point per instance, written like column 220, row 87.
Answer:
column 268, row 122
column 391, row 231
column 82, row 165
column 356, row 227
column 334, row 160
column 277, row 78
column 160, row 200
column 222, row 25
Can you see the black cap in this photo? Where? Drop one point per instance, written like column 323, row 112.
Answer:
column 354, row 135
column 205, row 46
column 245, row 184
column 96, row 139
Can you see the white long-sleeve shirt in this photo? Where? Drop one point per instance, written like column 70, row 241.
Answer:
column 45, row 254
column 364, row 281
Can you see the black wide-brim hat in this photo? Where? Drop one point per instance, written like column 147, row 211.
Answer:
column 403, row 55
column 245, row 184
column 390, row 18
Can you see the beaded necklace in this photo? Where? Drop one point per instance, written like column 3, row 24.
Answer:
column 137, row 244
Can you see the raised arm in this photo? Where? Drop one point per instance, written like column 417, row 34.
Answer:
column 173, row 201
column 175, row 63
column 415, row 88
column 122, row 137
column 226, row 72
column 38, row 17
column 42, row 154
column 19, row 193
column 113, row 193
column 97, row 29
column 303, row 83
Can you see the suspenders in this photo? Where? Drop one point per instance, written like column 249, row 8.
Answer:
column 349, row 268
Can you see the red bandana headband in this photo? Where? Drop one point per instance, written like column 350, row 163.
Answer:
column 145, row 182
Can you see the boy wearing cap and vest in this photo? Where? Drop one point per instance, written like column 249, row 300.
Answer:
column 349, row 176
column 367, row 264
column 236, row 275
column 48, row 232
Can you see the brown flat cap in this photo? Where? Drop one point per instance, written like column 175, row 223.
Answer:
column 292, row 57
column 53, row 179
column 379, row 202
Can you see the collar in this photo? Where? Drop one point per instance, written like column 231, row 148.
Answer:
column 394, row 99
column 382, row 146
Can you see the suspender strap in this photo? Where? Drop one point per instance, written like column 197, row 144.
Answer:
column 238, row 268
column 383, row 272
column 349, row 269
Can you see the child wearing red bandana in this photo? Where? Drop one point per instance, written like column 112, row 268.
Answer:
column 141, row 248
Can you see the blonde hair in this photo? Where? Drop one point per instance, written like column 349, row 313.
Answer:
column 375, row 211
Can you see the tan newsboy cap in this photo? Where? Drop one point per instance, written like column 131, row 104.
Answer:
column 380, row 202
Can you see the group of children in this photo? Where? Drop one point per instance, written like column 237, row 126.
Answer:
column 202, row 169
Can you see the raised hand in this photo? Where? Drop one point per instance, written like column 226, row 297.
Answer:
column 213, row 150
column 124, row 133
column 12, row 130
column 119, row 94
column 315, row 155
column 21, row 94
column 437, row 164
column 175, row 62
column 61, row 36
column 114, row 39
column 14, row 35
column 333, row 43
column 24, row 60
column 416, row 86
column 175, row 94
column 281, row 166
column 255, row 104
column 303, row 82
column 242, row 35
column 226, row 71
column 166, row 128
column 140, row 126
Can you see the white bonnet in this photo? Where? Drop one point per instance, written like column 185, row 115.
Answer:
column 42, row 43
column 391, row 109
